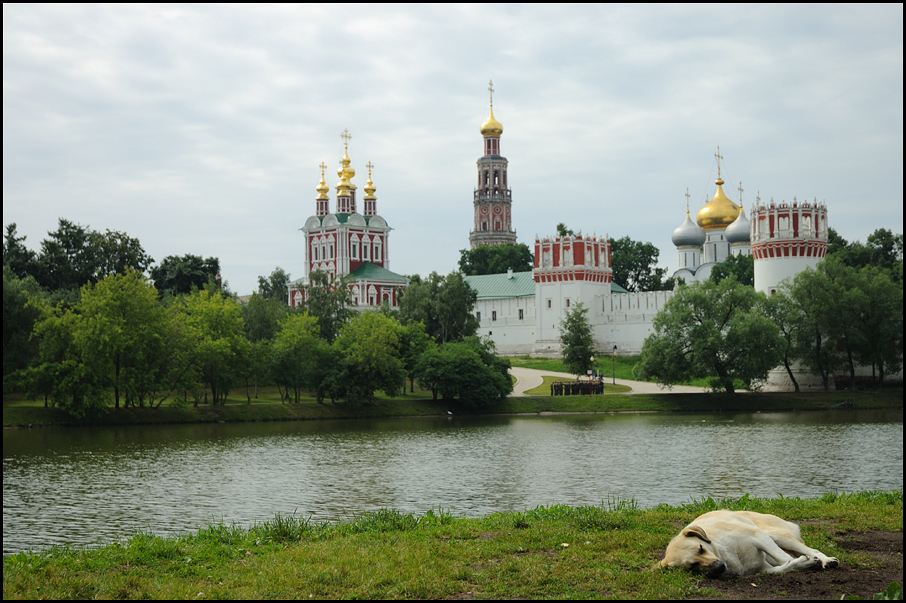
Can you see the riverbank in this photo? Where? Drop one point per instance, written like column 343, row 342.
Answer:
column 21, row 414
column 547, row 552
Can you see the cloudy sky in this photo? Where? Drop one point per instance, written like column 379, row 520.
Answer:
column 199, row 129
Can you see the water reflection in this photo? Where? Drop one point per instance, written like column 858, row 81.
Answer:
column 92, row 485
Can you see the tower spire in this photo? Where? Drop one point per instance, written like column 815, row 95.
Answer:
column 345, row 187
column 370, row 199
column 718, row 156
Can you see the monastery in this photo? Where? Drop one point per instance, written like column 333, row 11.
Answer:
column 521, row 312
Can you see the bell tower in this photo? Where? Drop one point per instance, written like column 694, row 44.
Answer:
column 493, row 198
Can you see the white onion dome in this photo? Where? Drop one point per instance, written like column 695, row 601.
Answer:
column 689, row 234
column 739, row 231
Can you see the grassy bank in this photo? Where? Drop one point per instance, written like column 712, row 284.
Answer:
column 548, row 552
column 19, row 413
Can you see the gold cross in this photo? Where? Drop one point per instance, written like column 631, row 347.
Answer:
column 370, row 167
column 719, row 157
column 491, row 90
column 323, row 167
column 740, row 193
column 687, row 200
column 346, row 136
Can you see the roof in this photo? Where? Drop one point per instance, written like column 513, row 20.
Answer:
column 370, row 271
column 615, row 288
column 489, row 286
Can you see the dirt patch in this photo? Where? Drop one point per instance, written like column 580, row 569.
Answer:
column 885, row 548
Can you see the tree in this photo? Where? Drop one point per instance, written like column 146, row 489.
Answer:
column 715, row 330
column 295, row 353
column 219, row 339
column 811, row 294
column 496, row 259
column 882, row 249
column 328, row 301
column 369, row 349
column 786, row 314
column 180, row 275
column 275, row 286
column 19, row 318
column 633, row 264
column 262, row 317
column 577, row 340
column 121, row 335
column 563, row 231
column 414, row 341
column 742, row 267
column 444, row 304
column 21, row 260
column 469, row 370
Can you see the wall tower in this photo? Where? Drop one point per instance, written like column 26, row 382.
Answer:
column 493, row 198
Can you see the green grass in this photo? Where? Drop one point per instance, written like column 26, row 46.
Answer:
column 545, row 388
column 547, row 552
column 606, row 365
column 18, row 413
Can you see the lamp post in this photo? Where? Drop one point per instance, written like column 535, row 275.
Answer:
column 614, row 364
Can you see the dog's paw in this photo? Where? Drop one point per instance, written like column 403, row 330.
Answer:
column 830, row 562
column 810, row 562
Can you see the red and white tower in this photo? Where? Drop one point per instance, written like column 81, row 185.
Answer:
column 493, row 198
column 347, row 243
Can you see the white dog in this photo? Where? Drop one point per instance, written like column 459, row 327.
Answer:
column 741, row 543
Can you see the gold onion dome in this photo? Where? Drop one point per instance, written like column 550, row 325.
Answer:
column 369, row 186
column 491, row 127
column 719, row 212
column 322, row 188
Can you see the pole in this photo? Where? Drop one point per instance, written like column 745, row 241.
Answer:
column 614, row 365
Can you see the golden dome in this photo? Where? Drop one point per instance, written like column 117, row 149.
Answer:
column 491, row 127
column 322, row 187
column 369, row 186
column 719, row 212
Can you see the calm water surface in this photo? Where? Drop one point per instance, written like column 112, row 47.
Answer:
column 87, row 486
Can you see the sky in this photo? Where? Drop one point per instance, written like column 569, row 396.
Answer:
column 199, row 129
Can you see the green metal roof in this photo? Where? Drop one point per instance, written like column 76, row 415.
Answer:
column 615, row 288
column 373, row 272
column 489, row 286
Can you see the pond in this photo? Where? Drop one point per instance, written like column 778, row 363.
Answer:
column 86, row 486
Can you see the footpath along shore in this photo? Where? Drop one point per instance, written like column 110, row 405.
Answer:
column 527, row 379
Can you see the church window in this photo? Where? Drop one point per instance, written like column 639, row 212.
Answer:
column 520, row 314
column 493, row 314
column 330, row 247
column 548, row 304
column 567, row 302
column 478, row 315
column 377, row 251
column 354, row 250
column 484, row 225
column 314, row 250
column 365, row 252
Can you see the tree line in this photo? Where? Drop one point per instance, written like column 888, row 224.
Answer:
column 182, row 336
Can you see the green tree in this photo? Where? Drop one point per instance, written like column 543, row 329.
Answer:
column 262, row 317
column 369, row 349
column 713, row 330
column 219, row 340
column 328, row 301
column 180, row 275
column 811, row 294
column 275, row 286
column 414, row 341
column 468, row 370
column 444, row 304
column 790, row 320
column 634, row 266
column 563, row 231
column 22, row 261
column 882, row 249
column 19, row 318
column 577, row 340
column 122, row 334
column 295, row 354
column 741, row 267
column 496, row 259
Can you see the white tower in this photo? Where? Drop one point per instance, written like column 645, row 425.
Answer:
column 786, row 239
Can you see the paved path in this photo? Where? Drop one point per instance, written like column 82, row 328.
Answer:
column 527, row 378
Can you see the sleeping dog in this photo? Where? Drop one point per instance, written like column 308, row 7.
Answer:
column 742, row 542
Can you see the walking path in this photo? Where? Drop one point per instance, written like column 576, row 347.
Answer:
column 527, row 379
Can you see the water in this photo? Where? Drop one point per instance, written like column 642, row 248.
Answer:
column 89, row 486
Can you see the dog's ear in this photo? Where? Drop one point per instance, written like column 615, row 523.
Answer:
column 697, row 532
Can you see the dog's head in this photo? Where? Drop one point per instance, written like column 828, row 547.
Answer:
column 692, row 550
